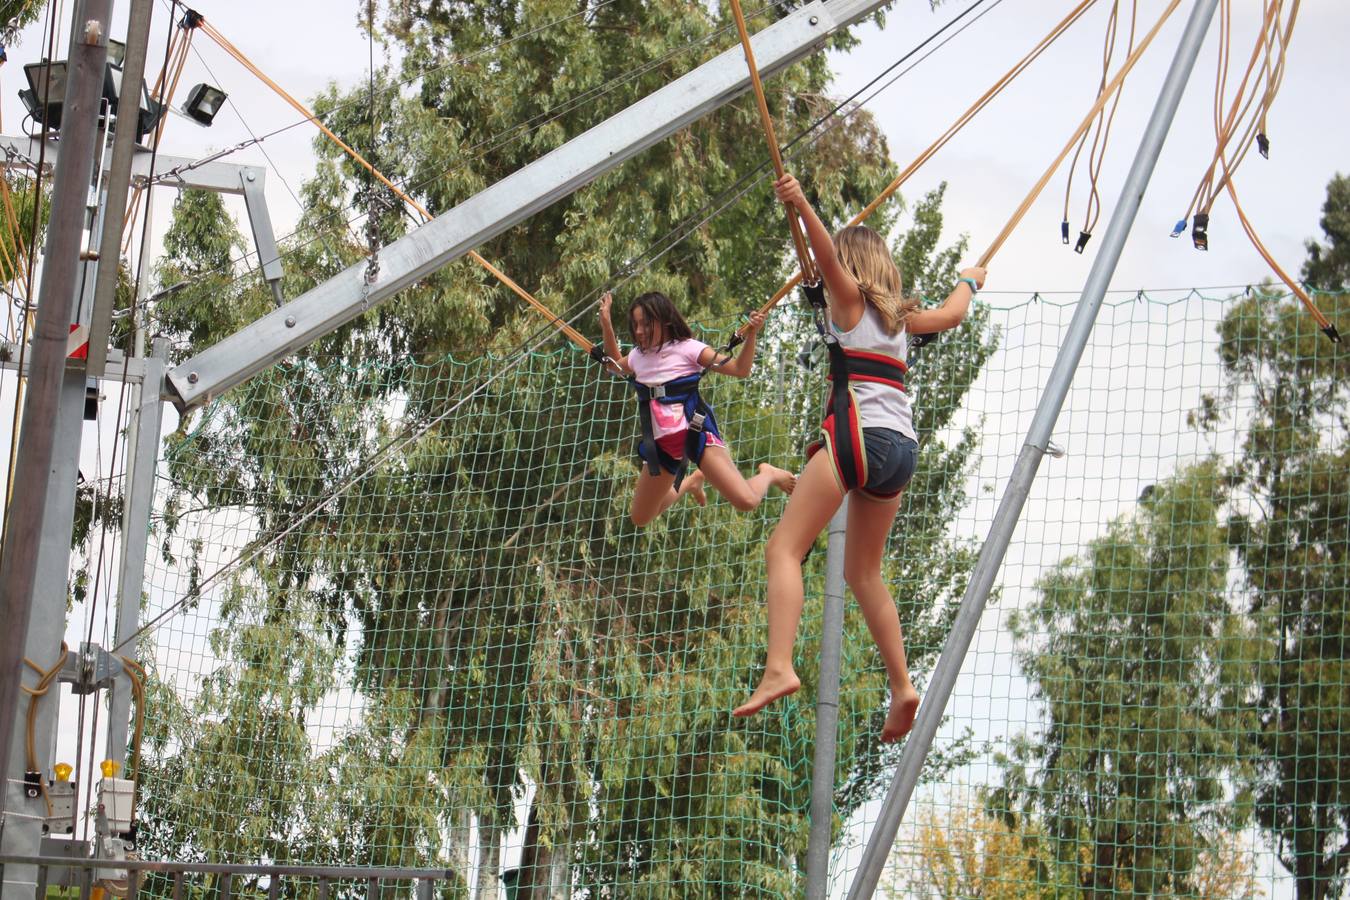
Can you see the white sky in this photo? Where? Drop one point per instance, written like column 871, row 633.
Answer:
column 305, row 44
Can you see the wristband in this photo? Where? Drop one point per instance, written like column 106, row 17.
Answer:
column 974, row 288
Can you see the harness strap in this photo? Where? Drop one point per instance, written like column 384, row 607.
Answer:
column 699, row 414
column 842, row 427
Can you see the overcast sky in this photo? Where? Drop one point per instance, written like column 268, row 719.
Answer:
column 306, row 44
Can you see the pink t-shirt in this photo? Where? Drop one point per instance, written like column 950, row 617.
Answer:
column 672, row 360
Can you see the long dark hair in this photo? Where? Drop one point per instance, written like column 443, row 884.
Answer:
column 658, row 310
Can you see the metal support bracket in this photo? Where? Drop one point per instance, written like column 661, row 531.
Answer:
column 92, row 669
column 264, row 239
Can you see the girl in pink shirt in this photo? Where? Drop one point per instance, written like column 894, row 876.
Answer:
column 678, row 426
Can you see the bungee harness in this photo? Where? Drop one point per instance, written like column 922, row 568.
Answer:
column 697, row 412
column 842, row 432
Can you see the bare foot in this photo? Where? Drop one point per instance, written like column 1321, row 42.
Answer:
column 693, row 486
column 900, row 719
column 782, row 479
column 771, row 687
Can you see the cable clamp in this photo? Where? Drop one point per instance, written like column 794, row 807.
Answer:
column 1263, row 145
column 1083, row 238
column 1064, row 231
column 814, row 294
column 1200, row 231
column 191, row 20
column 1331, row 332
column 1178, row 228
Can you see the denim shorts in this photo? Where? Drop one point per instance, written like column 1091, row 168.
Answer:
column 891, row 460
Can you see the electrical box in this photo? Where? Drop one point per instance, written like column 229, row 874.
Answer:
column 61, row 794
column 114, row 795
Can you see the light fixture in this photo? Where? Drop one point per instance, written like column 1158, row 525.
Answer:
column 148, row 111
column 203, row 102
column 117, row 52
column 46, row 91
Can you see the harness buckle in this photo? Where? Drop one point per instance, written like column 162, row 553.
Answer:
column 696, row 421
column 657, row 391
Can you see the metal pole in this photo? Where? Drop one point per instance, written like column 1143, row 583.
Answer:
column 143, row 443
column 827, row 712
column 1024, row 471
column 56, row 298
column 119, row 183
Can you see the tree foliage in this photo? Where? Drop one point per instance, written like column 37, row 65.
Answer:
column 1291, row 529
column 1143, row 670
column 1328, row 265
column 470, row 583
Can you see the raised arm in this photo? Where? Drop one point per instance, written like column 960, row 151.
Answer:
column 953, row 310
column 611, row 341
column 846, row 301
column 745, row 360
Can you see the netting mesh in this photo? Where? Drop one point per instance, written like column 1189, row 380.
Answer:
column 438, row 640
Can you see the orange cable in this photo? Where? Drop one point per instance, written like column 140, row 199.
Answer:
column 1083, row 126
column 572, row 334
column 1323, row 322
column 1074, row 15
column 1097, row 160
column 804, row 261
column 1272, row 87
column 1108, row 50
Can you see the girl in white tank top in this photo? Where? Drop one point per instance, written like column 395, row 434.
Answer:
column 869, row 317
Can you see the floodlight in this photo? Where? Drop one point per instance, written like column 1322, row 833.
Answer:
column 148, row 111
column 46, row 92
column 117, row 52
column 203, row 102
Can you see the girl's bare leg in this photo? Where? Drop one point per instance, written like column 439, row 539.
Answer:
column 869, row 524
column 652, row 496
column 814, row 501
column 742, row 493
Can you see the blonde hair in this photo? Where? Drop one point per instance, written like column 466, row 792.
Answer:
column 864, row 254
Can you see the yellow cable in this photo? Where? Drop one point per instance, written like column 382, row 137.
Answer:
column 1225, row 126
column 136, row 673
column 35, row 694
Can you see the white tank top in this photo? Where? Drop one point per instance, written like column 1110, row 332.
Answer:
column 879, row 406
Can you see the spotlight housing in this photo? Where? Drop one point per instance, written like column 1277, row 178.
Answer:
column 46, row 91
column 203, row 102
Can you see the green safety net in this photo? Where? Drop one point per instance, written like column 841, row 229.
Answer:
column 410, row 624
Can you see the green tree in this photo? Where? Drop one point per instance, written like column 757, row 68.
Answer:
column 1143, row 671
column 515, row 633
column 15, row 14
column 1287, row 387
column 1328, row 266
